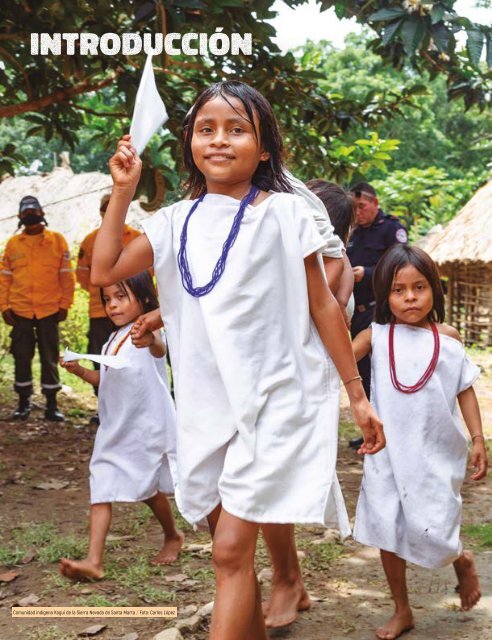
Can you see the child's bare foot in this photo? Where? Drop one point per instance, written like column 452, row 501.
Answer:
column 469, row 585
column 170, row 550
column 284, row 603
column 398, row 624
column 80, row 569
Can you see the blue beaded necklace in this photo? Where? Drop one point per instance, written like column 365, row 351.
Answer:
column 184, row 268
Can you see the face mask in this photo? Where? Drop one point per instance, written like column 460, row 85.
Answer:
column 31, row 219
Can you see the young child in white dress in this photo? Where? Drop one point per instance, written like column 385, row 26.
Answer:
column 410, row 505
column 248, row 316
column 134, row 456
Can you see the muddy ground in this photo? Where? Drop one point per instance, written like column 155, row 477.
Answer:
column 38, row 525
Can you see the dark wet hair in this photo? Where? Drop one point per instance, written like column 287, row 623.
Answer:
column 142, row 288
column 339, row 204
column 393, row 260
column 270, row 174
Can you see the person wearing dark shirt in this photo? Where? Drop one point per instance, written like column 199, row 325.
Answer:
column 375, row 232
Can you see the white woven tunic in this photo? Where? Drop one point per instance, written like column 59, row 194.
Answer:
column 134, row 453
column 410, row 500
column 257, row 399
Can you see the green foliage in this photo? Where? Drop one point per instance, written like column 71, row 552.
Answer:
column 345, row 161
column 481, row 533
column 423, row 198
column 425, row 34
column 432, row 132
column 85, row 102
column 73, row 332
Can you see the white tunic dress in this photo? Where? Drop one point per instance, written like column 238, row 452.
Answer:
column 410, row 500
column 134, row 453
column 257, row 400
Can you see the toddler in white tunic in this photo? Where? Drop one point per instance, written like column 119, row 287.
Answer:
column 410, row 504
column 134, row 456
column 134, row 453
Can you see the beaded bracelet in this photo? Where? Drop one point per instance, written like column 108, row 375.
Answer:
column 352, row 380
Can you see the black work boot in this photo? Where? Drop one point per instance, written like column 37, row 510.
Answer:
column 24, row 409
column 52, row 412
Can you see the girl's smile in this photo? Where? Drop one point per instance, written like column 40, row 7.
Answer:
column 121, row 305
column 225, row 147
column 411, row 298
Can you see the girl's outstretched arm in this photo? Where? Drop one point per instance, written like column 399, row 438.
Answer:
column 88, row 375
column 362, row 344
column 110, row 262
column 328, row 319
column 471, row 415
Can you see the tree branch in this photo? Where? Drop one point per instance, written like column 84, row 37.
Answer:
column 102, row 114
column 63, row 95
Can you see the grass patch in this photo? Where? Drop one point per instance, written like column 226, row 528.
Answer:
column 98, row 600
column 480, row 533
column 155, row 595
column 319, row 556
column 43, row 540
column 50, row 633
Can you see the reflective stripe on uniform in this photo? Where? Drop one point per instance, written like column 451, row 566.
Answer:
column 5, row 272
column 65, row 270
column 23, row 384
column 50, row 386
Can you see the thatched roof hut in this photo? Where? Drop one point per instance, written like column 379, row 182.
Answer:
column 463, row 251
column 70, row 201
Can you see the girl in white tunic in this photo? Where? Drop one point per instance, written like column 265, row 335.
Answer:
column 410, row 503
column 134, row 451
column 247, row 312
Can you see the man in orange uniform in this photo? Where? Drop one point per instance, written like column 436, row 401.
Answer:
column 36, row 290
column 100, row 326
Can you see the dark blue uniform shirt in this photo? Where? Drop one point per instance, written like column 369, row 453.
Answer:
column 365, row 248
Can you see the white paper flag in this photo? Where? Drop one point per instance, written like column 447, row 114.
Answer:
column 149, row 113
column 116, row 362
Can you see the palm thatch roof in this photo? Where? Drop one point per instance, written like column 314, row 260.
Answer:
column 70, row 201
column 468, row 237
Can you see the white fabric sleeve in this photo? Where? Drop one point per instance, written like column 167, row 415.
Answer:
column 469, row 374
column 333, row 245
column 309, row 237
column 156, row 228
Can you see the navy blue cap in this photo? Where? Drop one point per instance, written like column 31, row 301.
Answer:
column 29, row 202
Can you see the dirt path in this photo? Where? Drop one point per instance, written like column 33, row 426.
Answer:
column 37, row 526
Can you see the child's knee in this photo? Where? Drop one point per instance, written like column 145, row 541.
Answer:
column 229, row 553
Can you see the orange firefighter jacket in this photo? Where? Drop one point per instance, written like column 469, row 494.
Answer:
column 36, row 275
column 83, row 272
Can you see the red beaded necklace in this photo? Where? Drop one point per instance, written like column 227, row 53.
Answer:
column 427, row 373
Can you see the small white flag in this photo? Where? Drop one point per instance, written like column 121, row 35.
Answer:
column 116, row 362
column 149, row 113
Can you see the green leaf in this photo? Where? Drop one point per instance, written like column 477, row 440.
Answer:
column 380, row 165
column 390, row 31
column 441, row 36
column 437, row 13
column 489, row 50
column 386, row 14
column 340, row 10
column 379, row 155
column 412, row 33
column 474, row 45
